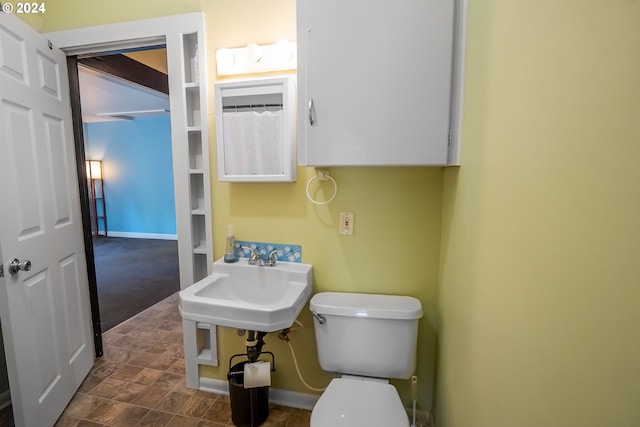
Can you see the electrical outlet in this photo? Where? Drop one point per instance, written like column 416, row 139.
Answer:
column 346, row 223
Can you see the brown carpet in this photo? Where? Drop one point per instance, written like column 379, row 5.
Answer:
column 132, row 275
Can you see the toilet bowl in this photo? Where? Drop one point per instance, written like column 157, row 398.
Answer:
column 365, row 338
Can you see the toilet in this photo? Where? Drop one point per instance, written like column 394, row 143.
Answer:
column 365, row 339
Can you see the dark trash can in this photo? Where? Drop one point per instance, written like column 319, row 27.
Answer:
column 249, row 406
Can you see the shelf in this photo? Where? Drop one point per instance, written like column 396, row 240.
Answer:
column 202, row 250
column 191, row 61
column 195, row 150
column 199, row 233
column 193, row 106
column 197, row 191
column 206, row 344
column 205, row 355
column 199, row 267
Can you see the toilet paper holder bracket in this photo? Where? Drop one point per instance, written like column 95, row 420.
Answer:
column 273, row 362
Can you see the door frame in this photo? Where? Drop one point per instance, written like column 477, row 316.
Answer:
column 83, row 187
column 129, row 35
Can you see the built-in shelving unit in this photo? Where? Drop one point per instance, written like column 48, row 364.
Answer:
column 199, row 339
column 194, row 92
column 196, row 235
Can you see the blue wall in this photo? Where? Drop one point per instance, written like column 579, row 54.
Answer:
column 138, row 174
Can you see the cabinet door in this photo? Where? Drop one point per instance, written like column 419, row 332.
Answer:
column 374, row 78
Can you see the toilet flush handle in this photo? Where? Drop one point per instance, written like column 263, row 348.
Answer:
column 321, row 319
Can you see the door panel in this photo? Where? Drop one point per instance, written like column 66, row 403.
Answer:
column 22, row 164
column 57, row 153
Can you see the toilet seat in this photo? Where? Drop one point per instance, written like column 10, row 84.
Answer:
column 359, row 403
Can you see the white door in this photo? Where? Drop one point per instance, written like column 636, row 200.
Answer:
column 45, row 314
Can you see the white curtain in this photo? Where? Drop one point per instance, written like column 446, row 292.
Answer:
column 253, row 143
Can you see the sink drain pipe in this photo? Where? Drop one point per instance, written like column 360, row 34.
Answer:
column 254, row 346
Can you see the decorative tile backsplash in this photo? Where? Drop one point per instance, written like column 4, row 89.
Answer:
column 286, row 252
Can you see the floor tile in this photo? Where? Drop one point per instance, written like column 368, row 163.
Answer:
column 150, row 397
column 182, row 421
column 220, row 412
column 140, row 382
column 129, row 415
column 155, row 419
column 196, row 406
column 172, row 402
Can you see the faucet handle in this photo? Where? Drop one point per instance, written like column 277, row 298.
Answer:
column 247, row 248
column 254, row 257
column 273, row 257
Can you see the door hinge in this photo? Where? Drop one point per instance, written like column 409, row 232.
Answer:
column 1, row 270
column 450, row 136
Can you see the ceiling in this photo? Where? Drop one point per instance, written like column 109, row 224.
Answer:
column 104, row 97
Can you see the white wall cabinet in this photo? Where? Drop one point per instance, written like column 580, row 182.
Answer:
column 374, row 82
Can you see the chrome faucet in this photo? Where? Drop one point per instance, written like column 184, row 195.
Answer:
column 256, row 259
column 273, row 258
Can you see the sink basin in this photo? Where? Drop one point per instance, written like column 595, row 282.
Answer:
column 243, row 296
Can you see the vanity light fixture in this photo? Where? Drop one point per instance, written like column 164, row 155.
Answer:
column 255, row 58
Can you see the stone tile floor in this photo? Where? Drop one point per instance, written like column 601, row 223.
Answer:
column 140, row 381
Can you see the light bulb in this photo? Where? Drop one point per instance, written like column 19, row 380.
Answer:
column 225, row 58
column 254, row 52
column 284, row 50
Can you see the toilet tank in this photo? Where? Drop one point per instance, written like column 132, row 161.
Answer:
column 366, row 334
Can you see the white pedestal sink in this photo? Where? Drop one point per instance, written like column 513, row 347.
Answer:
column 244, row 296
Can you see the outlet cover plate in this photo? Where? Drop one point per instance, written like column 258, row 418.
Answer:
column 346, row 223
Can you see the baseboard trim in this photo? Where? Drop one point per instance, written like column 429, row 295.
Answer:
column 301, row 400
column 132, row 235
column 5, row 399
column 279, row 397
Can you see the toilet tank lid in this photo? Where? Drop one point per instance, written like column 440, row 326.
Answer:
column 366, row 305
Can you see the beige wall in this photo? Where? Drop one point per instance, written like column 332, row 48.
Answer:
column 397, row 210
column 540, row 284
column 67, row 14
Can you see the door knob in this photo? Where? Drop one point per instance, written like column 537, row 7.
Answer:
column 16, row 265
